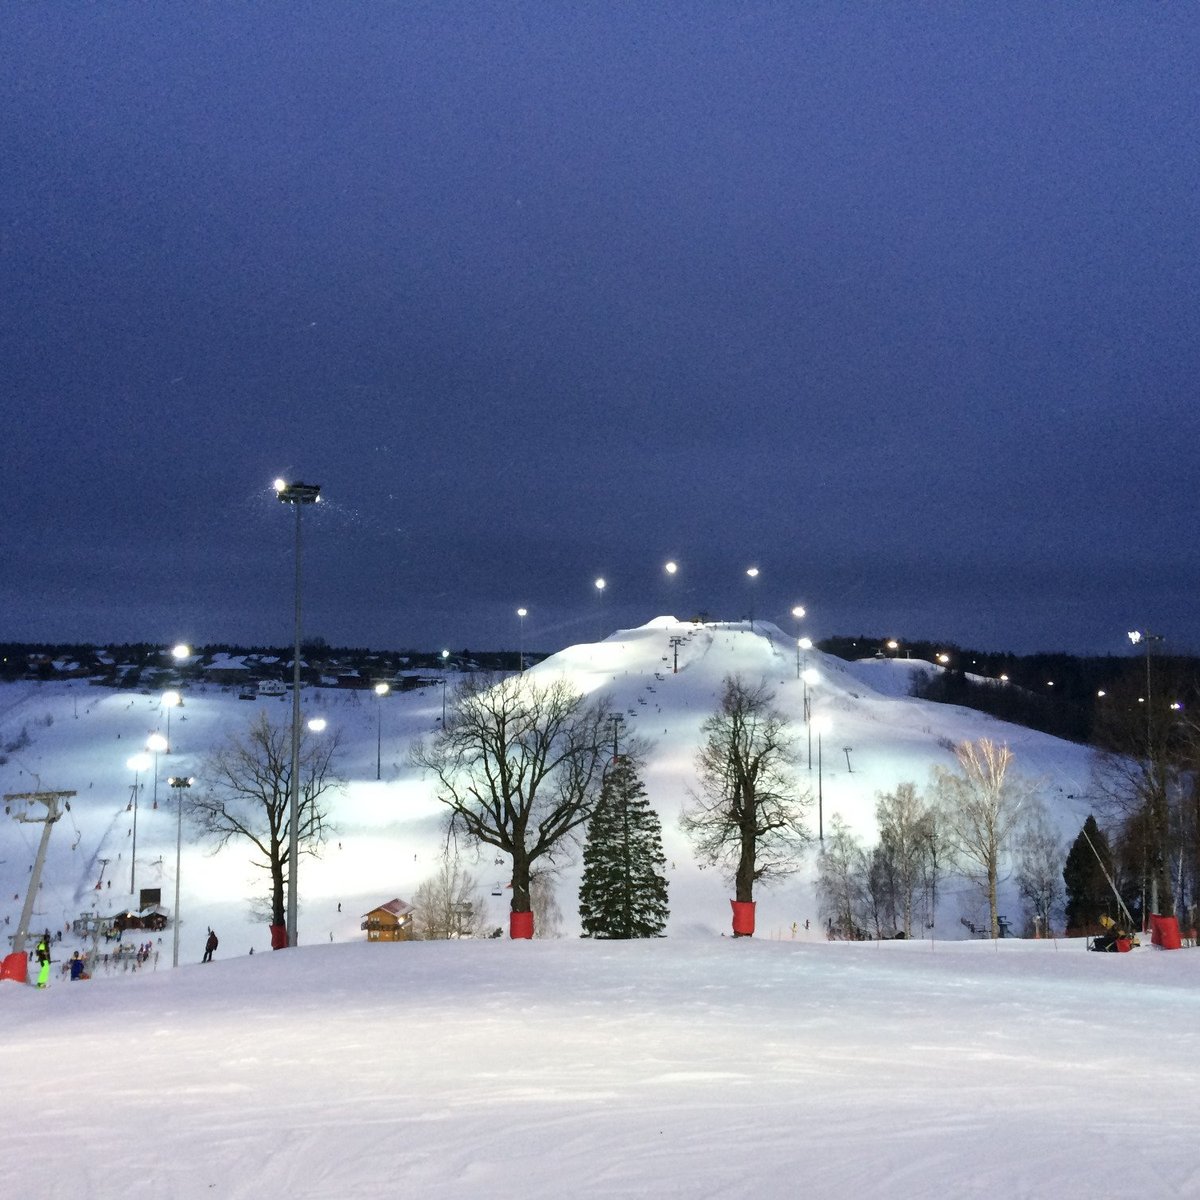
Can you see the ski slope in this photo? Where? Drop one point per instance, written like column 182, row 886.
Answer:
column 389, row 834
column 694, row 1066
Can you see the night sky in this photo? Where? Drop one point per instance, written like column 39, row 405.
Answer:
column 895, row 302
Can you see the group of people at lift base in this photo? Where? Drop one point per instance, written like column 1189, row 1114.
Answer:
column 78, row 964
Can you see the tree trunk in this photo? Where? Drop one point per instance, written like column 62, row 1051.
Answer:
column 520, row 883
column 277, row 889
column 991, row 882
column 743, row 880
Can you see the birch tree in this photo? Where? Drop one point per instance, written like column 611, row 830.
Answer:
column 980, row 805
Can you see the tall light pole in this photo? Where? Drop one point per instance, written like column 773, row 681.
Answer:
column 179, row 783
column 670, row 570
column 522, row 613
column 1136, row 637
column 810, row 676
column 445, row 660
column 158, row 744
column 297, row 495
column 601, row 584
column 752, row 575
column 381, row 690
column 798, row 613
column 823, row 725
column 170, row 700
column 137, row 764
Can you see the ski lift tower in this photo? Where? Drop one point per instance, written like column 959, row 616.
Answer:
column 54, row 802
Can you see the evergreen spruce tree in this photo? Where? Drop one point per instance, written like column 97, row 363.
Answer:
column 1088, row 893
column 624, row 889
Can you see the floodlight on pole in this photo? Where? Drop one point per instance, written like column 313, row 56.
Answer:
column 1139, row 637
column 522, row 613
column 445, row 661
column 799, row 613
column 179, row 783
column 601, row 584
column 297, row 495
column 381, row 690
column 752, row 574
column 317, row 724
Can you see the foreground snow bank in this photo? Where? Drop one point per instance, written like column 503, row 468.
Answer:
column 681, row 1068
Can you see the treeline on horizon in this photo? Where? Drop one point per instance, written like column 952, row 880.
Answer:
column 1066, row 695
column 1077, row 697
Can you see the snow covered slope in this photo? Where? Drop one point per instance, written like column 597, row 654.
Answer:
column 71, row 736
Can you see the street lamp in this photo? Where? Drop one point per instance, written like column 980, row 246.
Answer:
column 170, row 700
column 297, row 495
column 137, row 764
column 752, row 575
column 317, row 724
column 180, row 783
column 522, row 613
column 798, row 613
column 823, row 725
column 381, row 690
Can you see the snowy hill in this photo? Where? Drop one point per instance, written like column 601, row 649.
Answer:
column 389, row 833
column 697, row 1065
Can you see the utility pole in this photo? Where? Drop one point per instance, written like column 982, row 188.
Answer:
column 54, row 812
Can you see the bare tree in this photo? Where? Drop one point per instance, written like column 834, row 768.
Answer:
column 246, row 791
column 905, row 837
column 842, row 884
column 1143, row 775
column 747, row 817
column 448, row 904
column 1040, row 866
column 518, row 763
column 543, row 901
column 980, row 806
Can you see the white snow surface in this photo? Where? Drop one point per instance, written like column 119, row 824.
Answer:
column 692, row 1066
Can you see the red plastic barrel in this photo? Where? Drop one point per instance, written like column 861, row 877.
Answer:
column 15, row 967
column 1164, row 932
column 520, row 925
column 743, row 918
column 279, row 939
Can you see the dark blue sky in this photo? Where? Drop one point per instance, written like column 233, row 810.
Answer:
column 896, row 302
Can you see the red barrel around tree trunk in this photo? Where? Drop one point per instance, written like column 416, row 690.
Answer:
column 520, row 925
column 743, row 918
column 1164, row 932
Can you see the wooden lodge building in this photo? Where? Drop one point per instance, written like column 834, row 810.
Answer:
column 390, row 922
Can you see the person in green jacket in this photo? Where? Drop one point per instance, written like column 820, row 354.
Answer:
column 43, row 957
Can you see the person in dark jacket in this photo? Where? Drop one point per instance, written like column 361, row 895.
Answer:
column 209, row 947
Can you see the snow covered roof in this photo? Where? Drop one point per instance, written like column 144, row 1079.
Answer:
column 397, row 907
